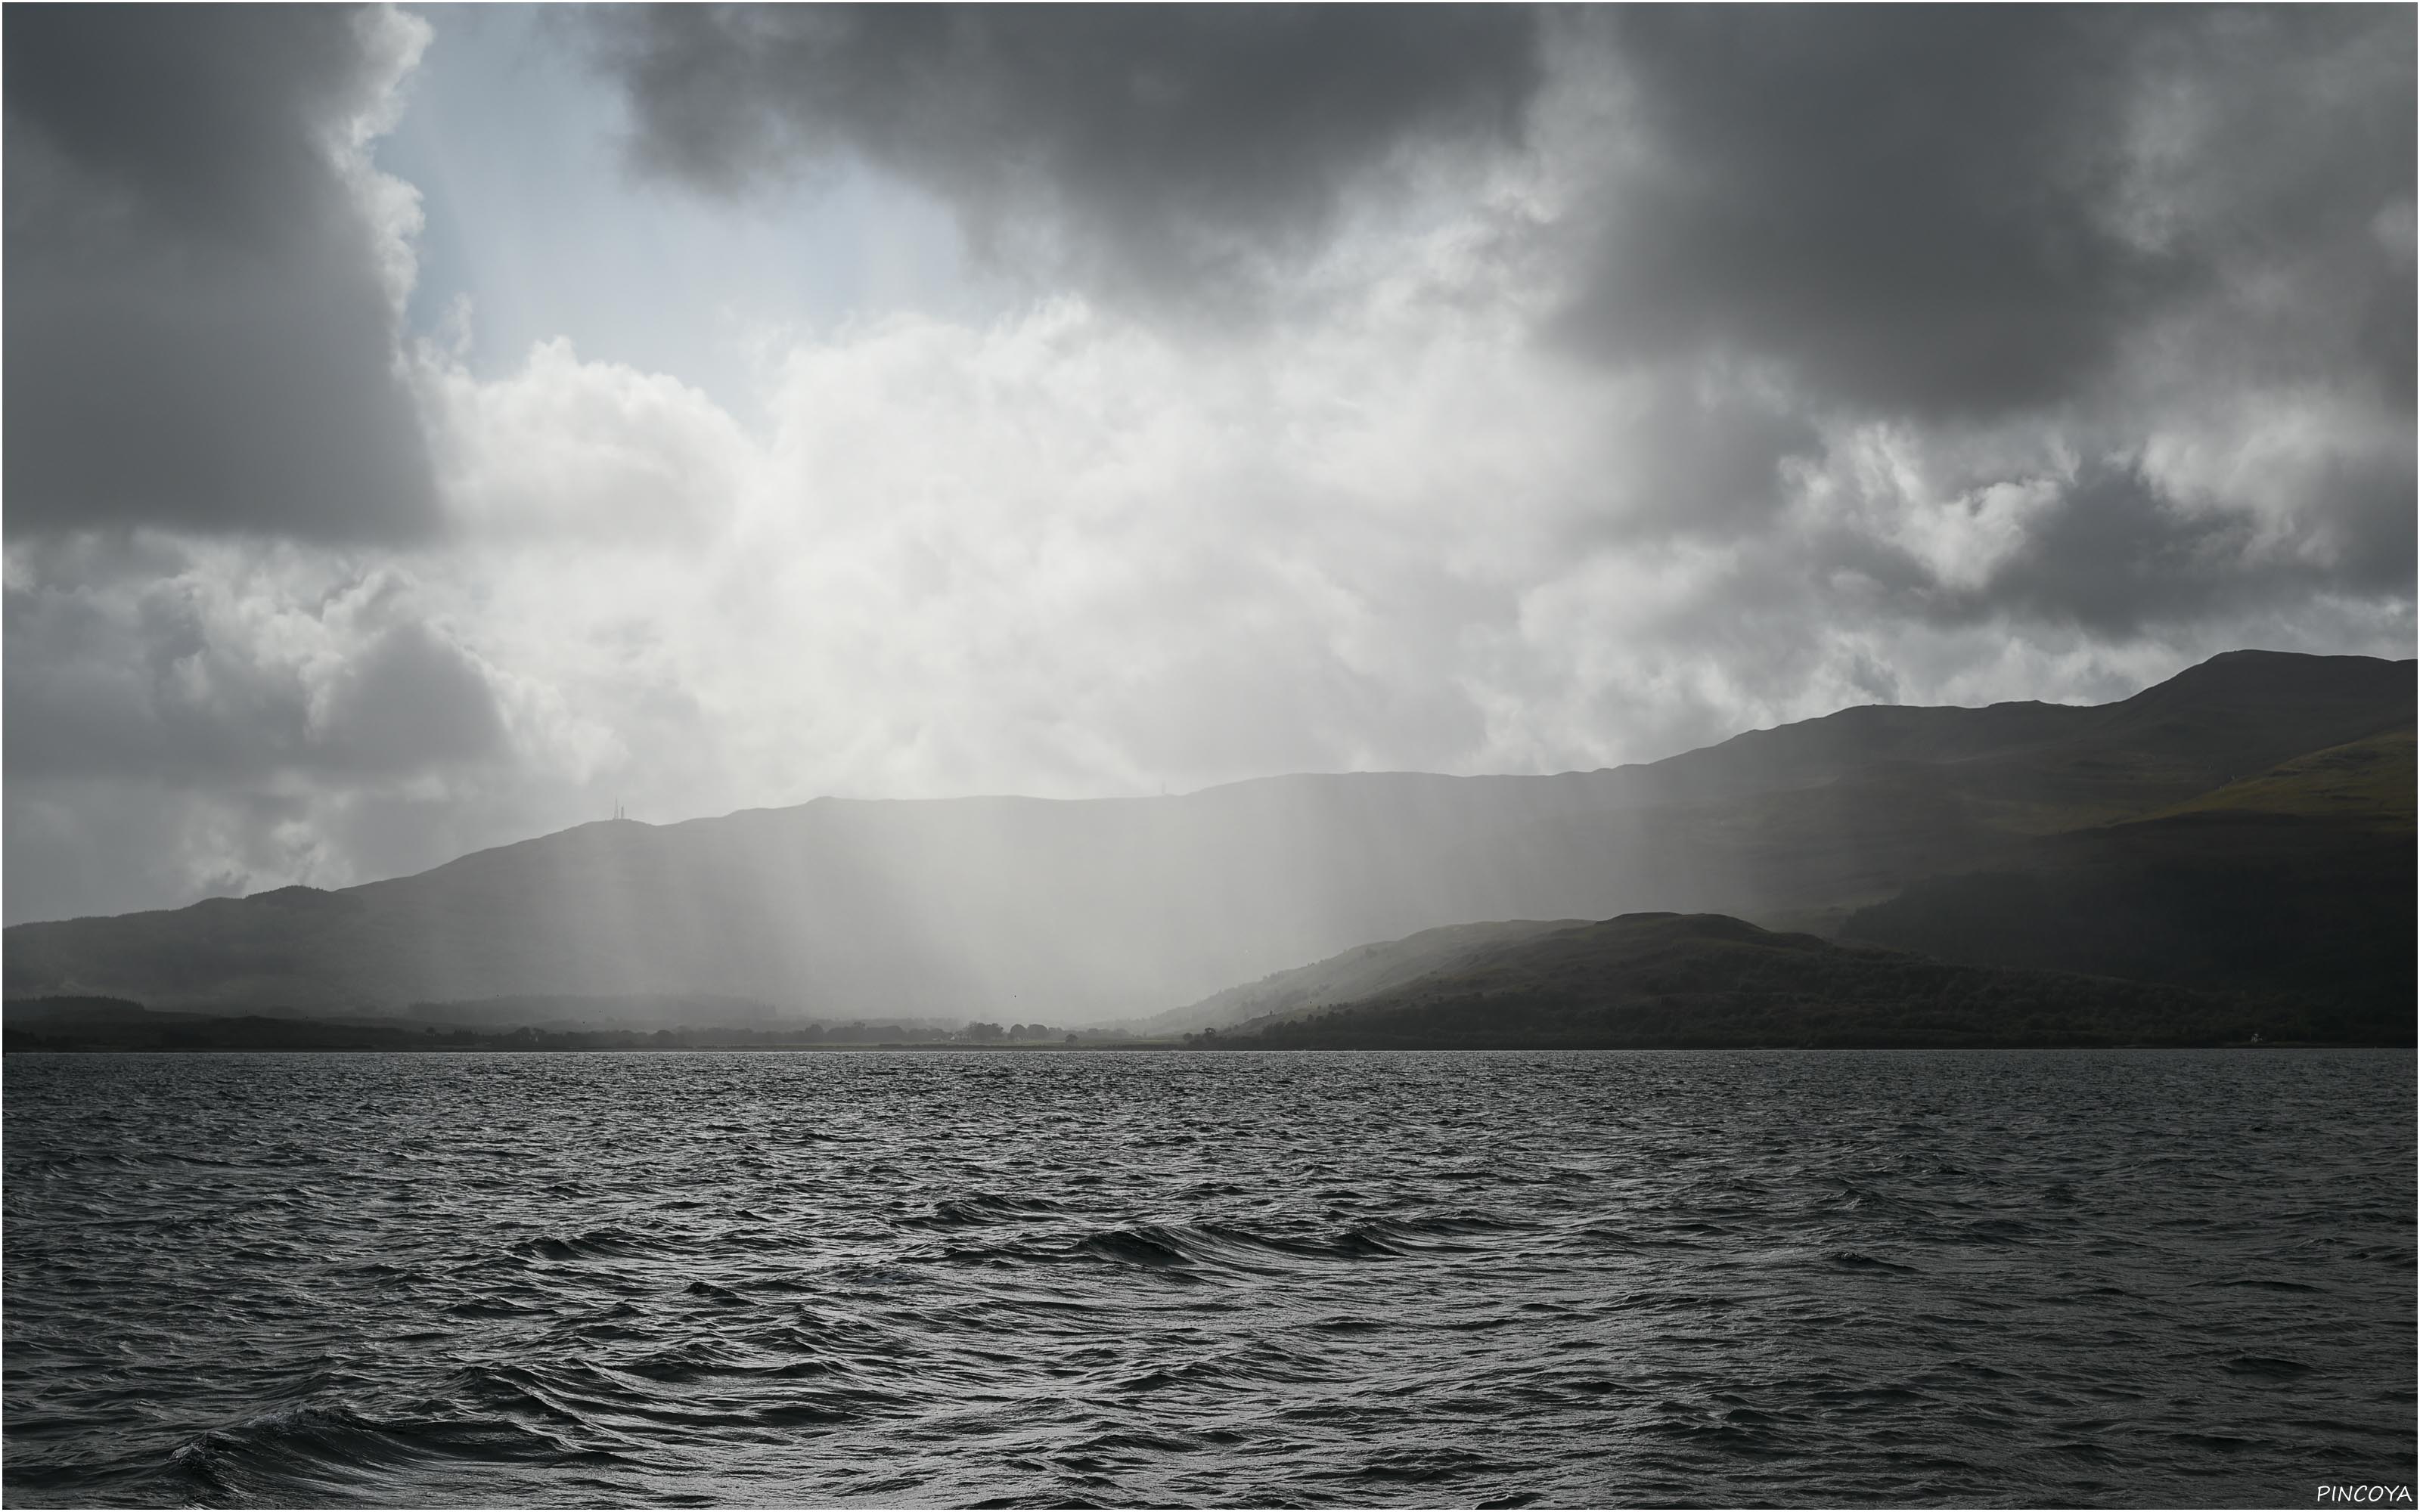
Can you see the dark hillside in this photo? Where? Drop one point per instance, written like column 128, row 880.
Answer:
column 2265, row 901
column 2297, row 880
column 1355, row 973
column 2238, row 713
column 1666, row 981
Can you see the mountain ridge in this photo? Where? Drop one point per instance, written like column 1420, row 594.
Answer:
column 1089, row 910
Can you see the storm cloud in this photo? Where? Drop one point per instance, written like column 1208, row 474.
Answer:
column 203, row 297
column 2068, row 239
column 1929, row 211
column 1176, row 149
column 1278, row 389
column 1970, row 209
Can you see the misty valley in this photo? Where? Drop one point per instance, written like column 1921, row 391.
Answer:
column 2225, row 859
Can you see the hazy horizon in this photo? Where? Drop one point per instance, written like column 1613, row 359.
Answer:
column 671, row 821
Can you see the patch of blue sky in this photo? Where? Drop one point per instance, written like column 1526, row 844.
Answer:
column 532, row 215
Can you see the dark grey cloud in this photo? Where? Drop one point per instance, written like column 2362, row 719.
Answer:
column 1966, row 210
column 410, row 700
column 184, row 680
column 82, row 846
column 184, row 735
column 200, row 333
column 2113, row 556
column 1177, row 147
column 2117, row 554
column 1707, row 460
column 1921, row 210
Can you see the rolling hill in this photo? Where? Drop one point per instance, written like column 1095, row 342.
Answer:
column 1086, row 911
column 1350, row 973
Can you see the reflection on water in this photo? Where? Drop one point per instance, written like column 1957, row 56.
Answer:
column 2130, row 1277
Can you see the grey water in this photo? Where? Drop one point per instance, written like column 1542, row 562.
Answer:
column 2089, row 1278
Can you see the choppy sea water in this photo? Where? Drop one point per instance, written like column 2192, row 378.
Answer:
column 2131, row 1278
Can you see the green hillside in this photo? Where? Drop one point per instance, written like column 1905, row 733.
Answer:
column 2369, row 782
column 1668, row 980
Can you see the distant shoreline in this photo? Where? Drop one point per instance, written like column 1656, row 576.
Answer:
column 1165, row 1047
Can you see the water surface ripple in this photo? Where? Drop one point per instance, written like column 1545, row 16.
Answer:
column 2170, row 1278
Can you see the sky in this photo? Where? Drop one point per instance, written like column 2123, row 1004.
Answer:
column 427, row 428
